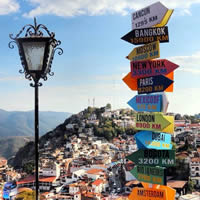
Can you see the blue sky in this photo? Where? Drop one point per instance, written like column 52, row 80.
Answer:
column 93, row 63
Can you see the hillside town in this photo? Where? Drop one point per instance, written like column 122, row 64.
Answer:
column 88, row 166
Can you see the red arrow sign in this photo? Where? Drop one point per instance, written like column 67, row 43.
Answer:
column 152, row 68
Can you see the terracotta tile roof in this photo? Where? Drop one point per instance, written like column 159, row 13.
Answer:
column 195, row 159
column 176, row 183
column 94, row 171
column 180, row 125
column 91, row 194
column 97, row 182
column 31, row 179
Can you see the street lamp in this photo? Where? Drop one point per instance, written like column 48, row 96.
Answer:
column 36, row 53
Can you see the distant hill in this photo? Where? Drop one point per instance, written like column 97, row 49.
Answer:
column 18, row 123
column 10, row 145
column 17, row 128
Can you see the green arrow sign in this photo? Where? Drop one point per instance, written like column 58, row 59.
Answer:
column 151, row 121
column 154, row 175
column 152, row 157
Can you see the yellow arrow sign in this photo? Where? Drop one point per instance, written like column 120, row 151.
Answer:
column 147, row 194
column 170, row 128
column 154, row 122
column 165, row 18
column 145, row 52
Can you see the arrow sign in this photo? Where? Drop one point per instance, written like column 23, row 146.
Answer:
column 154, row 175
column 170, row 191
column 147, row 35
column 152, row 68
column 151, row 121
column 131, row 82
column 147, row 194
column 149, row 16
column 152, row 157
column 152, row 84
column 153, row 140
column 145, row 52
column 149, row 103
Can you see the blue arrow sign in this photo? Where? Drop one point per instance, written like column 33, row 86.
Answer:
column 153, row 140
column 148, row 103
column 152, row 84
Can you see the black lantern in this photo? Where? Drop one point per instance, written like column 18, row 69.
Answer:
column 36, row 53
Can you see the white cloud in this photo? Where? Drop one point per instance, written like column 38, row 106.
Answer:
column 68, row 8
column 8, row 6
column 188, row 63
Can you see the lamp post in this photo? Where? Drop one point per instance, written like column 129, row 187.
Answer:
column 36, row 53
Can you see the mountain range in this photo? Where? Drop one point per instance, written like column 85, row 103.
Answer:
column 17, row 128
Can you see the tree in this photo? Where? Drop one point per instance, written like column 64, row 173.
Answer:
column 178, row 117
column 190, row 185
column 108, row 106
column 26, row 195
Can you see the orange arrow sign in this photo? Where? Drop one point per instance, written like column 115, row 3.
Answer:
column 132, row 82
column 169, row 191
column 147, row 194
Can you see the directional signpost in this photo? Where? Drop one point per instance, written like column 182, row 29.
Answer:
column 149, row 16
column 147, row 35
column 149, row 75
column 152, row 157
column 148, row 194
column 152, row 68
column 153, row 140
column 154, row 175
column 153, row 84
column 149, row 103
column 145, row 52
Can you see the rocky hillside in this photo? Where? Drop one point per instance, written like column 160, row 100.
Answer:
column 74, row 125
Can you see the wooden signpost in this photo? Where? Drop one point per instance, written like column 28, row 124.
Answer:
column 154, row 175
column 153, row 140
column 152, row 157
column 153, row 84
column 152, row 68
column 147, row 35
column 149, row 75
column 145, row 52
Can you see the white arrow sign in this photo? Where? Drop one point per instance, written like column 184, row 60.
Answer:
column 148, row 16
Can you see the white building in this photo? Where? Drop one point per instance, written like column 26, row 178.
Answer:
column 195, row 166
column 52, row 169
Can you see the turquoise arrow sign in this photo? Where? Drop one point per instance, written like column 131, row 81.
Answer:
column 152, row 157
column 153, row 140
column 154, row 175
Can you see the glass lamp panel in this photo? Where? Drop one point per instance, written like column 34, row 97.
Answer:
column 51, row 51
column 34, row 54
